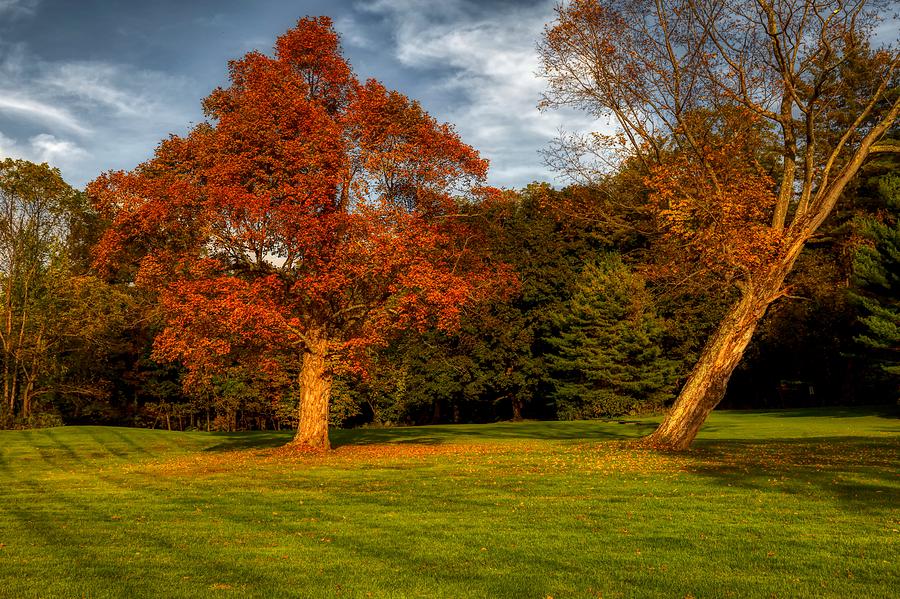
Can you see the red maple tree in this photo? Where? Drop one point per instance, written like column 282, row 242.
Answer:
column 309, row 217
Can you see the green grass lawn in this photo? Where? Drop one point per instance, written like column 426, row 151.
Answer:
column 767, row 504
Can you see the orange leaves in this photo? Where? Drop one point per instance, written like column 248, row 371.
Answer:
column 402, row 156
column 309, row 205
column 313, row 50
column 716, row 198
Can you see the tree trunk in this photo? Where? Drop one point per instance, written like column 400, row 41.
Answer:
column 516, row 408
column 27, row 396
column 708, row 380
column 315, row 395
column 8, row 397
column 31, row 375
column 436, row 412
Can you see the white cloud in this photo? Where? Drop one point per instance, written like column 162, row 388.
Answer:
column 39, row 111
column 353, row 34
column 469, row 64
column 18, row 8
column 93, row 84
column 53, row 111
column 8, row 147
column 489, row 61
column 44, row 147
column 56, row 151
column 886, row 33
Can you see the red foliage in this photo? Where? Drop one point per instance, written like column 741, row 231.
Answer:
column 308, row 206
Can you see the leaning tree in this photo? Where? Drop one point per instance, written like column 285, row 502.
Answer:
column 750, row 119
column 306, row 219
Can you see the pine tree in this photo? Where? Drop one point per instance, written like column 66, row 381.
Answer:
column 608, row 359
column 876, row 274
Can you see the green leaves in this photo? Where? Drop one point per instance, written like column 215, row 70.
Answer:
column 876, row 275
column 609, row 359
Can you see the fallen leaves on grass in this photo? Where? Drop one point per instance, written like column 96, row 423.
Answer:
column 531, row 458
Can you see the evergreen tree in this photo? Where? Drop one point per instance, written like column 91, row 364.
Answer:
column 876, row 274
column 608, row 359
column 494, row 366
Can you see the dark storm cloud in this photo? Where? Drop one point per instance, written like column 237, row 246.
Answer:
column 94, row 85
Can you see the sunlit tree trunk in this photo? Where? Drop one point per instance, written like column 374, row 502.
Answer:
column 18, row 362
column 708, row 380
column 7, row 336
column 315, row 395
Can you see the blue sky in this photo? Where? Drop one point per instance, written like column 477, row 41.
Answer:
column 93, row 85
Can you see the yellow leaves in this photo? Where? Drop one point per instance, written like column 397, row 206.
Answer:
column 718, row 201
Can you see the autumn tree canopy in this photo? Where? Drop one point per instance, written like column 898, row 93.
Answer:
column 53, row 314
column 307, row 218
column 751, row 118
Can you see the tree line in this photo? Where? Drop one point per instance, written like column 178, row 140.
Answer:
column 321, row 250
column 593, row 330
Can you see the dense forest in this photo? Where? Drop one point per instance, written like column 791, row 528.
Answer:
column 325, row 243
column 596, row 327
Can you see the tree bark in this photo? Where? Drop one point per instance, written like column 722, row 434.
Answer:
column 315, row 396
column 436, row 413
column 708, row 380
column 8, row 396
column 516, row 408
column 27, row 397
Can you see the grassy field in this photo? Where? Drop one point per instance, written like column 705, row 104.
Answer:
column 775, row 504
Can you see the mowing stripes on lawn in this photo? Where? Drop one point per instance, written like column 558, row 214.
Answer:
column 784, row 504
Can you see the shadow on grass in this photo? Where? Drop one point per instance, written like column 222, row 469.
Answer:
column 99, row 566
column 249, row 440
column 452, row 433
column 455, row 433
column 465, row 433
column 882, row 411
column 736, row 430
column 856, row 471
